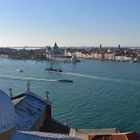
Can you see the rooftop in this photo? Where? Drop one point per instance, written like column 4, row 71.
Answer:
column 115, row 136
column 33, row 135
column 28, row 110
column 7, row 113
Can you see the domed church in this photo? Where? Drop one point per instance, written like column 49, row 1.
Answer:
column 7, row 116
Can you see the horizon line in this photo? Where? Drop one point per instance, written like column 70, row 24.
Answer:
column 82, row 46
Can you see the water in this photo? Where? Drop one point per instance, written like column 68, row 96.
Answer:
column 103, row 95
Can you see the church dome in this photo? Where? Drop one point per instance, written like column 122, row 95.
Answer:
column 7, row 113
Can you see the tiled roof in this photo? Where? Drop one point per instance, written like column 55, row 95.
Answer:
column 32, row 135
column 28, row 111
column 116, row 136
column 7, row 112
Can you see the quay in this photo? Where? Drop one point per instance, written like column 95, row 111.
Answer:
column 73, row 54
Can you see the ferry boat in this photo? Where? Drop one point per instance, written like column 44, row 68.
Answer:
column 66, row 81
column 53, row 69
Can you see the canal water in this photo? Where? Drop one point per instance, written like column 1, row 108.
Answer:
column 102, row 95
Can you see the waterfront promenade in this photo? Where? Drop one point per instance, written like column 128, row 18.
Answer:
column 72, row 54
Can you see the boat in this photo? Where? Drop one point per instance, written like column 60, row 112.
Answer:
column 19, row 70
column 66, row 81
column 53, row 69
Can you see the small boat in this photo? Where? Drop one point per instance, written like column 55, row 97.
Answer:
column 19, row 70
column 66, row 81
column 53, row 69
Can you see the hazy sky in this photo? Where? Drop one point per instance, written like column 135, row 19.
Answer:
column 69, row 22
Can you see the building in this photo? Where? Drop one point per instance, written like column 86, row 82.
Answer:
column 55, row 51
column 32, row 112
column 59, row 55
column 9, row 119
column 116, row 136
column 109, row 56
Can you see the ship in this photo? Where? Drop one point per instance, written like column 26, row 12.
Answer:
column 66, row 81
column 53, row 69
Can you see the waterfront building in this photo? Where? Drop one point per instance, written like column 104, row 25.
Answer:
column 106, row 55
column 138, row 56
column 3, row 56
column 109, row 56
column 56, row 50
column 79, row 54
column 100, row 53
column 60, row 55
column 54, row 53
column 95, row 55
column 68, row 53
column 48, row 52
column 123, row 58
column 99, row 56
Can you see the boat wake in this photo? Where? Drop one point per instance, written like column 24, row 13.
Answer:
column 27, row 78
column 101, row 78
column 69, row 73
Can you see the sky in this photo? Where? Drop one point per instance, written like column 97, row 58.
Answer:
column 69, row 22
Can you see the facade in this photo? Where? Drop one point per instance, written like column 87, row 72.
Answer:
column 59, row 55
column 112, row 54
column 109, row 56
column 53, row 52
column 123, row 58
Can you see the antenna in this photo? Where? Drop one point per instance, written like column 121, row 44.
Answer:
column 28, row 86
column 66, row 122
column 47, row 95
column 10, row 92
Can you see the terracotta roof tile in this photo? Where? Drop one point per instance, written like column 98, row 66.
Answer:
column 116, row 136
